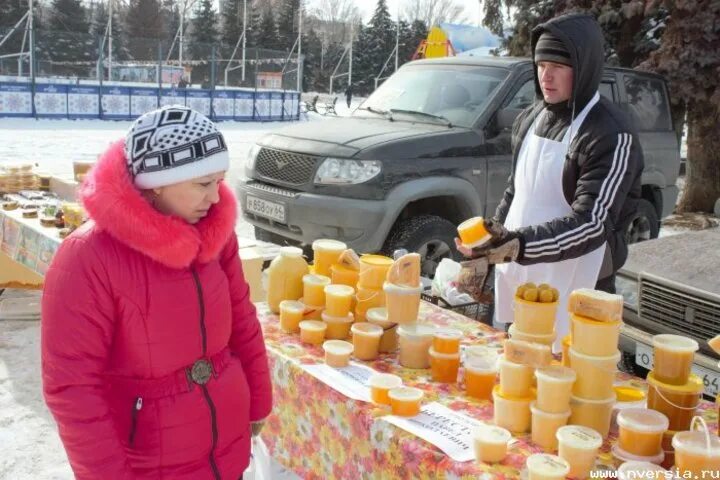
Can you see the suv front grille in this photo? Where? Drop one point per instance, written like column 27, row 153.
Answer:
column 286, row 167
column 679, row 308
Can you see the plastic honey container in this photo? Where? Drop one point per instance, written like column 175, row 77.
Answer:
column 414, row 342
column 542, row 466
column 380, row 386
column 338, row 300
column 512, row 412
column 291, row 314
column 594, row 338
column 472, row 232
column 447, row 340
column 673, row 358
column 312, row 332
column 338, row 328
column 491, row 443
column 325, row 254
column 480, row 376
column 697, row 452
column 341, row 275
column 534, row 318
column 367, row 299
column 444, row 366
column 595, row 375
column 389, row 339
column 403, row 303
column 405, row 401
column 579, row 446
column 314, row 289
column 554, row 388
column 595, row 414
column 516, row 380
column 545, row 339
column 678, row 403
column 545, row 426
column 641, row 431
column 285, row 277
column 366, row 340
column 373, row 271
column 337, row 353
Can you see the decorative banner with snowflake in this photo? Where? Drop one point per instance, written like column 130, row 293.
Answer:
column 83, row 102
column 116, row 103
column 172, row 97
column 262, row 106
column 198, row 100
column 15, row 100
column 276, row 106
column 244, row 105
column 223, row 105
column 51, row 100
column 143, row 100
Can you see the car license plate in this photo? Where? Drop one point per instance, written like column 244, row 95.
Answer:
column 264, row 208
column 711, row 379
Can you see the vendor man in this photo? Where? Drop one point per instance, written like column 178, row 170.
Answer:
column 575, row 181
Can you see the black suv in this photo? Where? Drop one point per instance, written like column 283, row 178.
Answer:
column 428, row 149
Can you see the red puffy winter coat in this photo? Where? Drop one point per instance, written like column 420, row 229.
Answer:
column 132, row 300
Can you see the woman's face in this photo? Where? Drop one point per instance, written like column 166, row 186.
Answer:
column 190, row 200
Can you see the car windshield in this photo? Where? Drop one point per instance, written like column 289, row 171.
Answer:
column 454, row 94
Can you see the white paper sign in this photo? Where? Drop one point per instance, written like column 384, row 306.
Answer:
column 351, row 381
column 450, row 431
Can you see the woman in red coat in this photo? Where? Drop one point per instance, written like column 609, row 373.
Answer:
column 153, row 360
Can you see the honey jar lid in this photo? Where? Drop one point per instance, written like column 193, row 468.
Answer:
column 694, row 385
column 328, row 244
column 376, row 260
column 626, row 393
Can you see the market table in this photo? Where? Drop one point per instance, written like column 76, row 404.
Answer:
column 27, row 248
column 319, row 433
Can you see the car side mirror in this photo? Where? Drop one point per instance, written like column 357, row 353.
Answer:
column 506, row 118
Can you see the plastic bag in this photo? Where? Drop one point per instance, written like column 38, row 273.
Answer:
column 259, row 468
column 445, row 283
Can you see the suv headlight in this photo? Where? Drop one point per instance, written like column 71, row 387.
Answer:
column 252, row 157
column 628, row 288
column 338, row 171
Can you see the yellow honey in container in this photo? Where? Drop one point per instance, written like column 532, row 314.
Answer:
column 325, row 254
column 342, row 275
column 291, row 314
column 595, row 414
column 338, row 300
column 594, row 338
column 338, row 328
column 314, row 289
column 491, row 443
column 579, row 446
column 414, row 342
column 447, row 340
column 312, row 332
column 389, row 339
column 673, row 358
column 516, row 380
column 554, row 388
column 542, row 466
column 697, row 452
column 366, row 340
column 595, row 375
column 472, row 232
column 405, row 401
column 337, row 353
column 512, row 412
column 373, row 271
column 380, row 386
column 545, row 426
column 403, row 303
column 444, row 367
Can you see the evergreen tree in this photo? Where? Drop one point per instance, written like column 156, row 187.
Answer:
column 232, row 21
column 99, row 26
column 374, row 46
column 417, row 33
column 145, row 28
column 68, row 38
column 287, row 23
column 312, row 49
column 267, row 35
column 10, row 12
column 204, row 31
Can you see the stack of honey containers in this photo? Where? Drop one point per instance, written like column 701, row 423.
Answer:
column 672, row 389
column 518, row 405
column 595, row 320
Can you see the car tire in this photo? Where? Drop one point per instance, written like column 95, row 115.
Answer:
column 431, row 236
column 645, row 224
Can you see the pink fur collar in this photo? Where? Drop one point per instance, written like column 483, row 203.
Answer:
column 117, row 207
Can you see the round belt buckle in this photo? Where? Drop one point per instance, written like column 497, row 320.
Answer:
column 201, row 371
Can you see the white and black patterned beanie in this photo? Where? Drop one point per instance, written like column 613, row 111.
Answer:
column 173, row 144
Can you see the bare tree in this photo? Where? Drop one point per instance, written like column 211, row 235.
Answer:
column 334, row 18
column 435, row 12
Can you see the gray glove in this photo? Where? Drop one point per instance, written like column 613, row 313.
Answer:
column 505, row 245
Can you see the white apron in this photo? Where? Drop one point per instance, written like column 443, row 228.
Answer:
column 538, row 199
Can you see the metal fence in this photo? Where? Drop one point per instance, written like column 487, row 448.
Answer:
column 219, row 72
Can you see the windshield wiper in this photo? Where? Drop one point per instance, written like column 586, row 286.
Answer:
column 422, row 114
column 374, row 110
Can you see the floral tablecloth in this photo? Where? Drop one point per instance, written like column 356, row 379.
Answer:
column 320, row 434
